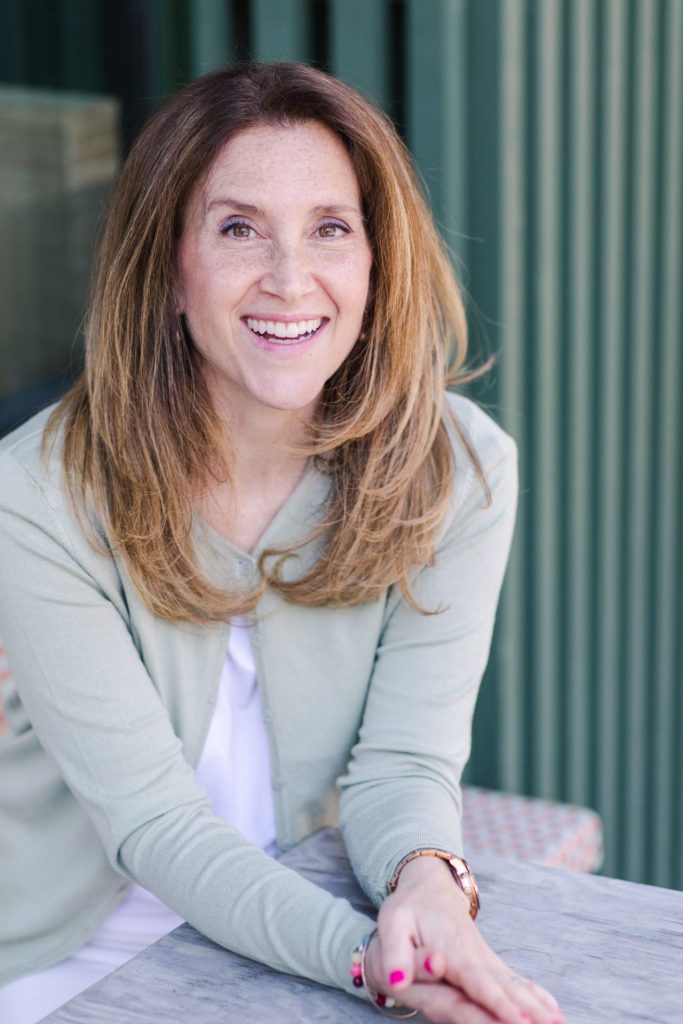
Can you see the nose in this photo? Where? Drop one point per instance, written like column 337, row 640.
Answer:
column 288, row 274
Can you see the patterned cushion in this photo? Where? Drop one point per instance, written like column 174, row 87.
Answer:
column 526, row 828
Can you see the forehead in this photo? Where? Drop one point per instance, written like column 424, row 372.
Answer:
column 286, row 161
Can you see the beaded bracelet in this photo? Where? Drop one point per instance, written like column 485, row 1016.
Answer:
column 383, row 1003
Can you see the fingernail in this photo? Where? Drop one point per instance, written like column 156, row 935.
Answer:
column 395, row 977
column 524, row 1016
column 428, row 966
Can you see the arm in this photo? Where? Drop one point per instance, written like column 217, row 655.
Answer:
column 98, row 715
column 402, row 788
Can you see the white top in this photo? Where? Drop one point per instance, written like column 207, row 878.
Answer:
column 234, row 768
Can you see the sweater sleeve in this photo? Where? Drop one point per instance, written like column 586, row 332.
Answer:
column 401, row 791
column 98, row 715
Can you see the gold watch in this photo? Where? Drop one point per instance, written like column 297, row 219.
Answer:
column 460, row 869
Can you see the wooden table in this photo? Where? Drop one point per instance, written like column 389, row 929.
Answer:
column 610, row 951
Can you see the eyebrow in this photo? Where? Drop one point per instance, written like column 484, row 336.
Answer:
column 255, row 211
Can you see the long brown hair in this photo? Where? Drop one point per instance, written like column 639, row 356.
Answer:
column 140, row 432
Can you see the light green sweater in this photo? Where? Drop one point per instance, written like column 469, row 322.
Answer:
column 368, row 712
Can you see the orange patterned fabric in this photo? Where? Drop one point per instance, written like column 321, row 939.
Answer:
column 527, row 828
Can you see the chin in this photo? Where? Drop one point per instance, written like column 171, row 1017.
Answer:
column 301, row 401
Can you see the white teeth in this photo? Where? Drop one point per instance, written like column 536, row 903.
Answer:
column 279, row 329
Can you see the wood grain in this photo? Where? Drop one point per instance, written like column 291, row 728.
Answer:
column 610, row 951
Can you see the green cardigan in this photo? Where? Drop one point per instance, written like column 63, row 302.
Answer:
column 368, row 712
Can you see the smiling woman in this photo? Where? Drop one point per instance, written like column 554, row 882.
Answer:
column 249, row 569
column 274, row 294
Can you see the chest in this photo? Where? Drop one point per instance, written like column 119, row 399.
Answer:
column 243, row 512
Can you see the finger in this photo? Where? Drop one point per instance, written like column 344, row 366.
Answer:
column 396, row 950
column 428, row 965
column 484, row 987
column 538, row 1005
column 547, row 998
column 444, row 1004
column 431, row 965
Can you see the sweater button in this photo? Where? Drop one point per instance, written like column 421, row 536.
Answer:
column 244, row 566
column 278, row 783
column 256, row 638
column 267, row 715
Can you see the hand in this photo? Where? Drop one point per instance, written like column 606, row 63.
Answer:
column 448, row 971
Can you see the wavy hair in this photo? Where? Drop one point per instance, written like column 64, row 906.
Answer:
column 140, row 432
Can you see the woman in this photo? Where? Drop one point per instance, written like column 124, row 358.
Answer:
column 250, row 563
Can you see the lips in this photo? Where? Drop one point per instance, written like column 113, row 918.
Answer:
column 284, row 332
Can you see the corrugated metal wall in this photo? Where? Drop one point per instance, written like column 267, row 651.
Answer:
column 585, row 157
column 549, row 133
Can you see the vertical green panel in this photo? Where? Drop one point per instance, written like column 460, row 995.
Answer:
column 170, row 46
column 43, row 31
column 162, row 52
column 483, row 276
column 82, row 39
column 211, row 43
column 12, row 42
column 580, row 275
column 281, row 29
column 437, row 112
column 639, row 437
column 611, row 329
column 360, row 55
column 512, row 176
column 668, row 456
column 549, row 275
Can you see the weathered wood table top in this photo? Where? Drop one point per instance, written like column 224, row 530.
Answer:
column 610, row 951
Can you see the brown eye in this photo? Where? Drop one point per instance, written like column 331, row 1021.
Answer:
column 237, row 229
column 332, row 229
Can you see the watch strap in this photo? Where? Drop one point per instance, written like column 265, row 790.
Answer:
column 460, row 869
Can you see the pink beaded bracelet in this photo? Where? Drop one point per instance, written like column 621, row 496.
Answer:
column 383, row 1003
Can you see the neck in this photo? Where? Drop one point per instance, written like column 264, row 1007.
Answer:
column 265, row 471
column 261, row 441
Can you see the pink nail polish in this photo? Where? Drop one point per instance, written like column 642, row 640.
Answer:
column 524, row 1016
column 428, row 966
column 395, row 977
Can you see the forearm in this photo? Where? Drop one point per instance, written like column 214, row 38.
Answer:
column 381, row 823
column 242, row 899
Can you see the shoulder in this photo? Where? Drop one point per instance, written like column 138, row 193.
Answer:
column 476, row 436
column 485, row 477
column 467, row 422
column 22, row 449
column 33, row 492
column 31, row 475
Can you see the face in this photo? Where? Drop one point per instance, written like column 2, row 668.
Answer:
column 274, row 269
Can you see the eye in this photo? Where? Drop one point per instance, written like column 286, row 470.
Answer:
column 239, row 229
column 332, row 229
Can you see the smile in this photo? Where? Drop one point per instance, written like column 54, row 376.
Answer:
column 279, row 332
